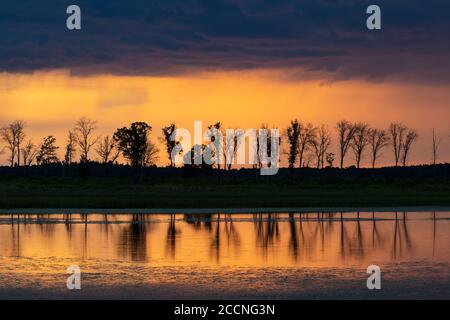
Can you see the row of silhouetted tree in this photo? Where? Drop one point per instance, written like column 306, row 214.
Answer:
column 133, row 143
column 307, row 145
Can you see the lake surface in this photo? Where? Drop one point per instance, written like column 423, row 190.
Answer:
column 215, row 256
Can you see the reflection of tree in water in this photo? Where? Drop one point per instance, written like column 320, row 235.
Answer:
column 68, row 224
column 133, row 239
column 326, row 229
column 344, row 239
column 306, row 235
column 215, row 243
column 25, row 223
column 172, row 233
column 218, row 228
column 15, row 233
column 359, row 239
column 351, row 246
column 299, row 244
column 302, row 242
column 267, row 230
column 293, row 243
column 406, row 232
column 355, row 247
column 105, row 226
column 231, row 235
column 45, row 226
column 199, row 221
column 434, row 231
column 401, row 239
column 85, row 218
column 377, row 239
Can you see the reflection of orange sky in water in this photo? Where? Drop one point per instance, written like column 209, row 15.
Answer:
column 51, row 102
column 328, row 243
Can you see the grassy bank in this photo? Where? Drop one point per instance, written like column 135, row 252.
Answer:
column 208, row 192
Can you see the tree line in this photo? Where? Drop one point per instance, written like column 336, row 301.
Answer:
column 133, row 143
column 307, row 145
column 307, row 141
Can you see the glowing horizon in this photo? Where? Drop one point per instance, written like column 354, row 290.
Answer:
column 50, row 102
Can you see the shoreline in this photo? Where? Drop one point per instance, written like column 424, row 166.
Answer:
column 223, row 210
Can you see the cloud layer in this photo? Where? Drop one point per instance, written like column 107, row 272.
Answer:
column 309, row 38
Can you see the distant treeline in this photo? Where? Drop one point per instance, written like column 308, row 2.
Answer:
column 306, row 145
column 439, row 172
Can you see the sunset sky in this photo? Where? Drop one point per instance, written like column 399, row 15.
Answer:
column 243, row 63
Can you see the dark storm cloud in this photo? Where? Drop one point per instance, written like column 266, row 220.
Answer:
column 308, row 37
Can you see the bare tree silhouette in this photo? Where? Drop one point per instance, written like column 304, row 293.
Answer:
column 321, row 143
column 107, row 150
column 233, row 141
column 360, row 141
column 378, row 139
column 9, row 138
column 436, row 143
column 29, row 152
column 84, row 131
column 410, row 138
column 307, row 134
column 70, row 148
column 397, row 133
column 151, row 154
column 18, row 131
column 346, row 131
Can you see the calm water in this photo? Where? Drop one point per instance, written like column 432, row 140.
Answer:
column 315, row 255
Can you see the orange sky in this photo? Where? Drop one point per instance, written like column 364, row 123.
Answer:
column 50, row 102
